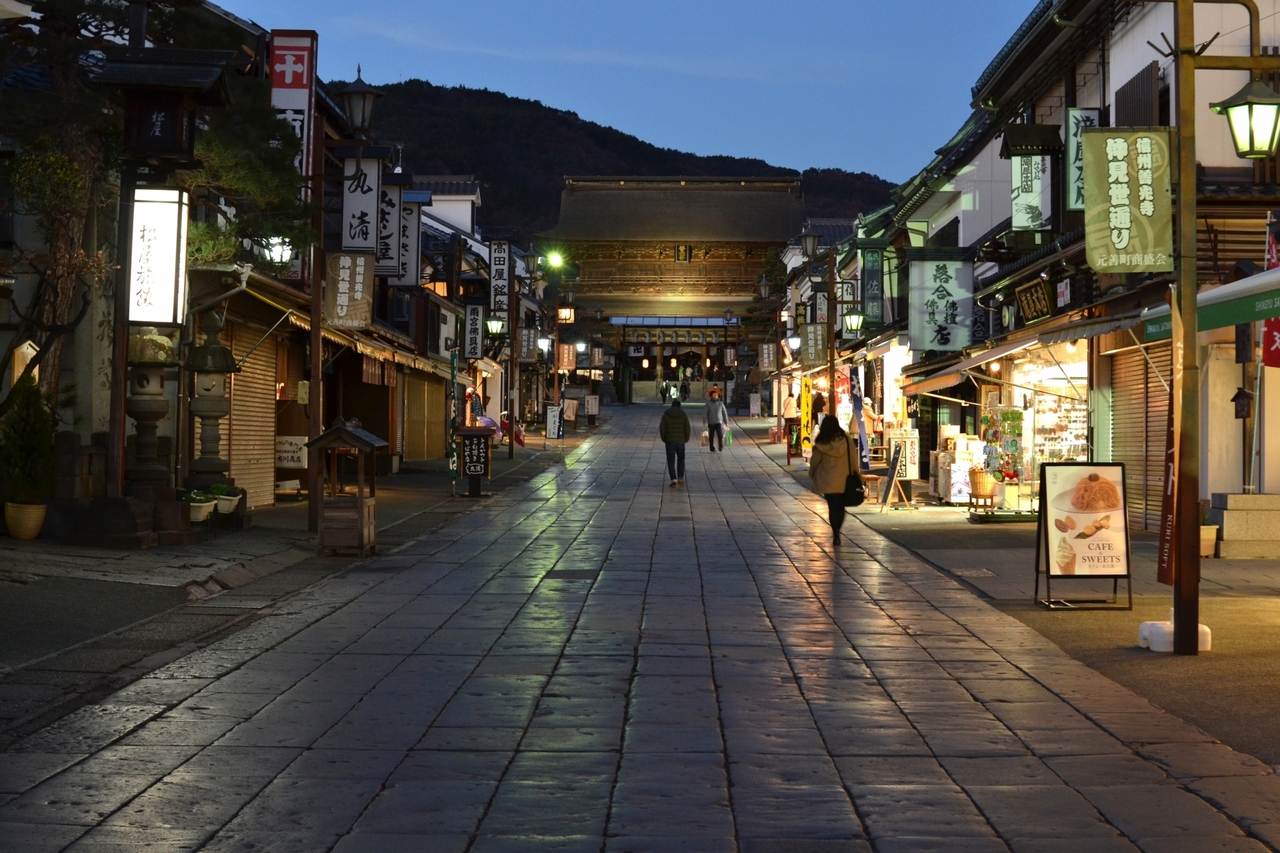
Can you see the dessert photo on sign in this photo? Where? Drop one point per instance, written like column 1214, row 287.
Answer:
column 1084, row 519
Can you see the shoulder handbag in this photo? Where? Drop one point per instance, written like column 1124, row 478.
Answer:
column 854, row 494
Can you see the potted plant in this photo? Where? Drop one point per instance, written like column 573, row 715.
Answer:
column 26, row 460
column 1208, row 535
column 227, row 497
column 202, row 504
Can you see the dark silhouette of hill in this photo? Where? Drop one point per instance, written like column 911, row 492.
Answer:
column 521, row 150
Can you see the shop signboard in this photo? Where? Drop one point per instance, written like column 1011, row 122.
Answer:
column 806, row 417
column 1128, row 215
column 569, row 411
column 597, row 356
column 473, row 335
column 813, row 344
column 768, row 357
column 475, row 455
column 753, row 405
column 499, row 276
column 941, row 305
column 1083, row 521
column 730, row 356
column 873, row 285
column 1271, row 342
column 388, row 250
column 158, row 272
column 555, row 424
column 1031, row 193
column 408, row 236
column 591, row 405
column 909, row 459
column 361, row 185
column 1033, row 301
column 291, row 451
column 348, row 291
column 1078, row 118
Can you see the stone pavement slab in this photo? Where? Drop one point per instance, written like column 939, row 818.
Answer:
column 593, row 660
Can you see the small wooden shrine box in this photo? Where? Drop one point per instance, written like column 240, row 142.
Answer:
column 348, row 520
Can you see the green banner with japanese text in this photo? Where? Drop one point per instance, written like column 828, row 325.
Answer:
column 1128, row 203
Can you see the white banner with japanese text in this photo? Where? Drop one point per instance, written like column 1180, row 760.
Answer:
column 361, row 180
column 941, row 315
column 499, row 276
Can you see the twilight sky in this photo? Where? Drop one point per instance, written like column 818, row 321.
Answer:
column 864, row 85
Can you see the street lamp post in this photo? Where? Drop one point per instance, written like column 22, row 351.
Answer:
column 1252, row 141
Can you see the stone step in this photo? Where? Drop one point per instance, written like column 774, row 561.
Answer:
column 1238, row 524
column 1248, row 549
column 1269, row 503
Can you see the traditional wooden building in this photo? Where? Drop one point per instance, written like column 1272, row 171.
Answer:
column 662, row 259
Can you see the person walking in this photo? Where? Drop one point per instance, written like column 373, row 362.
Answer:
column 716, row 417
column 790, row 409
column 684, row 390
column 674, row 430
column 830, row 466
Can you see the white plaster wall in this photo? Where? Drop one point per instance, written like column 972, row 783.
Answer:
column 455, row 211
column 985, row 184
column 1221, row 436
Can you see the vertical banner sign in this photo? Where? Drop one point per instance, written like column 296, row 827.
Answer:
column 813, row 344
column 806, row 416
column 555, row 423
column 821, row 307
column 567, row 358
column 1128, row 215
column 730, row 356
column 528, row 345
column 293, row 95
column 1271, row 342
column 361, row 181
column 597, row 356
column 941, row 305
column 388, row 246
column 873, row 285
column 768, row 357
column 409, row 243
column 1031, row 193
column 348, row 291
column 499, row 276
column 1078, row 118
column 473, row 335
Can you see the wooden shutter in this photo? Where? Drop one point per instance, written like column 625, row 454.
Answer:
column 415, row 417
column 253, row 417
column 435, row 418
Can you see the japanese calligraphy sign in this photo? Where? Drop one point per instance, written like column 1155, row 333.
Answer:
column 409, row 250
column 1033, row 301
column 293, row 81
column 1271, row 342
column 941, row 316
column 567, row 358
column 528, row 345
column 768, row 357
column 873, row 285
column 730, row 356
column 473, row 334
column 361, row 185
column 158, row 272
column 348, row 293
column 1128, row 215
column 1031, row 193
column 821, row 307
column 499, row 276
column 597, row 356
column 388, row 247
column 291, row 451
column 475, row 455
column 813, row 344
column 1078, row 118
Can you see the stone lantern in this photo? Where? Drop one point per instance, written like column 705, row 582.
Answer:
column 211, row 363
column 150, row 351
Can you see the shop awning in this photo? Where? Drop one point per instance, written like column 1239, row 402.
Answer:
column 954, row 375
column 1245, row 301
column 1090, row 328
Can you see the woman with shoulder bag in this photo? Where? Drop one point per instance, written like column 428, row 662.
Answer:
column 833, row 473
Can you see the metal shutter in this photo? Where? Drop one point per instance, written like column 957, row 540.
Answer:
column 1139, row 413
column 397, row 396
column 415, row 417
column 253, row 417
column 435, row 418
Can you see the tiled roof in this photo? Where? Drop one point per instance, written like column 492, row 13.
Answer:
column 727, row 209
column 447, row 185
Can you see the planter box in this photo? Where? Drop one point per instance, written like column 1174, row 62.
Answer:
column 201, row 511
column 1208, row 539
column 227, row 503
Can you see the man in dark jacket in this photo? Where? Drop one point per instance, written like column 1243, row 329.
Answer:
column 674, row 431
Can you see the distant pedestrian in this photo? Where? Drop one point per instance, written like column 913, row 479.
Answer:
column 790, row 409
column 716, row 417
column 684, row 389
column 674, row 430
column 829, row 468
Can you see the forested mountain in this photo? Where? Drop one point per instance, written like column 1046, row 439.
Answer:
column 521, row 150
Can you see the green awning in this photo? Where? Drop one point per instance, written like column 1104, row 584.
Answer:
column 1245, row 301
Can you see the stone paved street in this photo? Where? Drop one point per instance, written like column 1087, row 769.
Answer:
column 594, row 661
